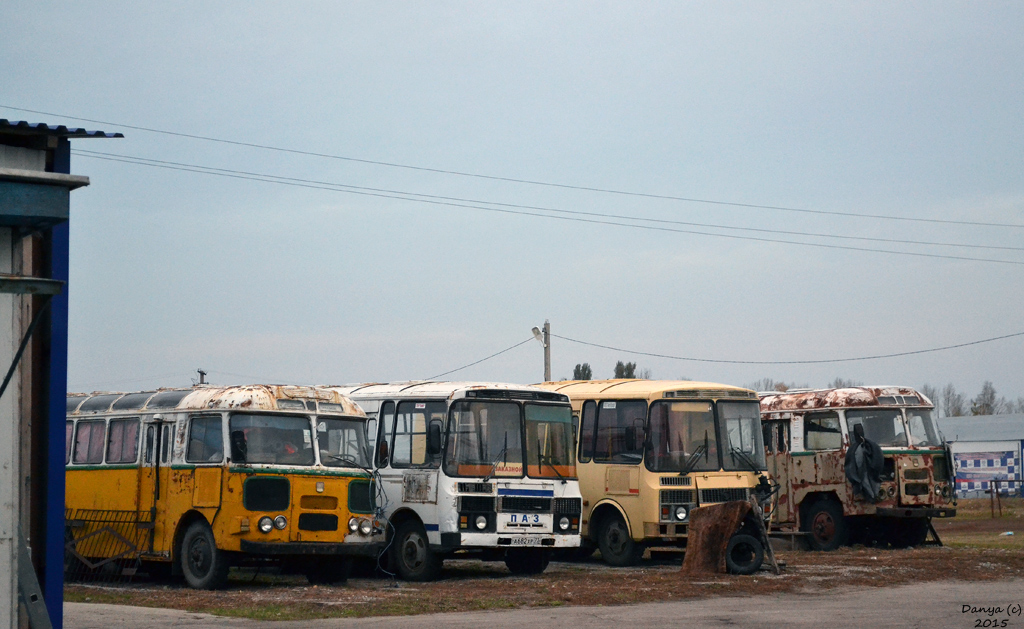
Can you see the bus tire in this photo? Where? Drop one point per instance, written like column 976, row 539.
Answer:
column 827, row 527
column 411, row 555
column 527, row 561
column 329, row 571
column 204, row 565
column 617, row 547
column 744, row 554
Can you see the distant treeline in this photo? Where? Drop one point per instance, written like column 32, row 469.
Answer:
column 948, row 401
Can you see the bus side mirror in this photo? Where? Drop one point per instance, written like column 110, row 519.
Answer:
column 239, row 448
column 434, row 439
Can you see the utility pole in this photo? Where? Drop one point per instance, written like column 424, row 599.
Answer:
column 544, row 336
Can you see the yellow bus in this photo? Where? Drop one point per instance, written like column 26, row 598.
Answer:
column 194, row 481
column 650, row 451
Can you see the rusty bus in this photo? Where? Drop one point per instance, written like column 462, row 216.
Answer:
column 807, row 434
column 193, row 481
column 650, row 451
column 473, row 469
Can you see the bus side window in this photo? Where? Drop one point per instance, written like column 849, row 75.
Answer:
column 587, row 432
column 166, row 440
column 150, row 452
column 822, row 432
column 616, row 431
column 123, row 441
column 69, row 432
column 89, row 440
column 206, row 441
column 387, row 424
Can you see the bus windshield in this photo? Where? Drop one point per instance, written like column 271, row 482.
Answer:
column 741, row 423
column 342, row 442
column 484, row 439
column 275, row 439
column 923, row 431
column 549, row 451
column 884, row 426
column 682, row 437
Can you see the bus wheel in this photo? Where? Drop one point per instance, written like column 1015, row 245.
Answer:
column 617, row 547
column 744, row 554
column 411, row 554
column 524, row 561
column 204, row 566
column 331, row 571
column 827, row 526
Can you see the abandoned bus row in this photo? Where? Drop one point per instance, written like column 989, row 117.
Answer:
column 193, row 481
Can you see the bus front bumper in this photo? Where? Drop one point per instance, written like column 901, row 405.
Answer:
column 455, row 541
column 371, row 549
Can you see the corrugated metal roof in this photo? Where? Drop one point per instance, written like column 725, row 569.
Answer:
column 22, row 127
column 983, row 428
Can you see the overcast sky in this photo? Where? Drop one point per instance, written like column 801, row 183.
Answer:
column 894, row 110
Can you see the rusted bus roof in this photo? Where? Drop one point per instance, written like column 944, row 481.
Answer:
column 430, row 388
column 842, row 398
column 596, row 389
column 254, row 397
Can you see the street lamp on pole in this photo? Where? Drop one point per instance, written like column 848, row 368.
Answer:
column 544, row 336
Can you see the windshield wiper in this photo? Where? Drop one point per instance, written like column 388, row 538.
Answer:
column 692, row 461
column 494, row 466
column 540, row 461
column 746, row 459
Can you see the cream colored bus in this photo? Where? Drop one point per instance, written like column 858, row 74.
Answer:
column 649, row 451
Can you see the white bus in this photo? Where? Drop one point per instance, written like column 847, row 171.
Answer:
column 473, row 469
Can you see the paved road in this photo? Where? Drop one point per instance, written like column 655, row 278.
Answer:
column 934, row 604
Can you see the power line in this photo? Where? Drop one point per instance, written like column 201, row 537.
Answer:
column 408, row 197
column 147, row 160
column 790, row 362
column 532, row 182
column 481, row 360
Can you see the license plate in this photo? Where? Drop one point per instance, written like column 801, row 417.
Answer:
column 525, row 541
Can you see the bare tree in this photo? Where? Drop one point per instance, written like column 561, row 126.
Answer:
column 582, row 372
column 1018, row 407
column 840, row 383
column 932, row 394
column 644, row 374
column 769, row 384
column 952, row 403
column 986, row 402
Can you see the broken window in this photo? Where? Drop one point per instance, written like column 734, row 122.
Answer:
column 822, row 432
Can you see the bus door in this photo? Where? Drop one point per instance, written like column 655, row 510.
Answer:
column 619, row 442
column 205, row 450
column 150, row 477
column 409, row 449
column 777, row 451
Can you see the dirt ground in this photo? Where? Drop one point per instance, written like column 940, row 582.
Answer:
column 975, row 550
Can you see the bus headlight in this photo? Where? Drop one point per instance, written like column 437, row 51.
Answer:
column 681, row 513
column 280, row 522
column 365, row 527
column 353, row 524
column 266, row 525
column 481, row 522
column 564, row 523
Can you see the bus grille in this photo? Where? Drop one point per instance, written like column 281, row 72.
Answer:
column 266, row 493
column 318, row 522
column 676, row 496
column 568, row 506
column 524, row 503
column 361, row 496
column 476, row 504
column 708, row 496
column 676, row 481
